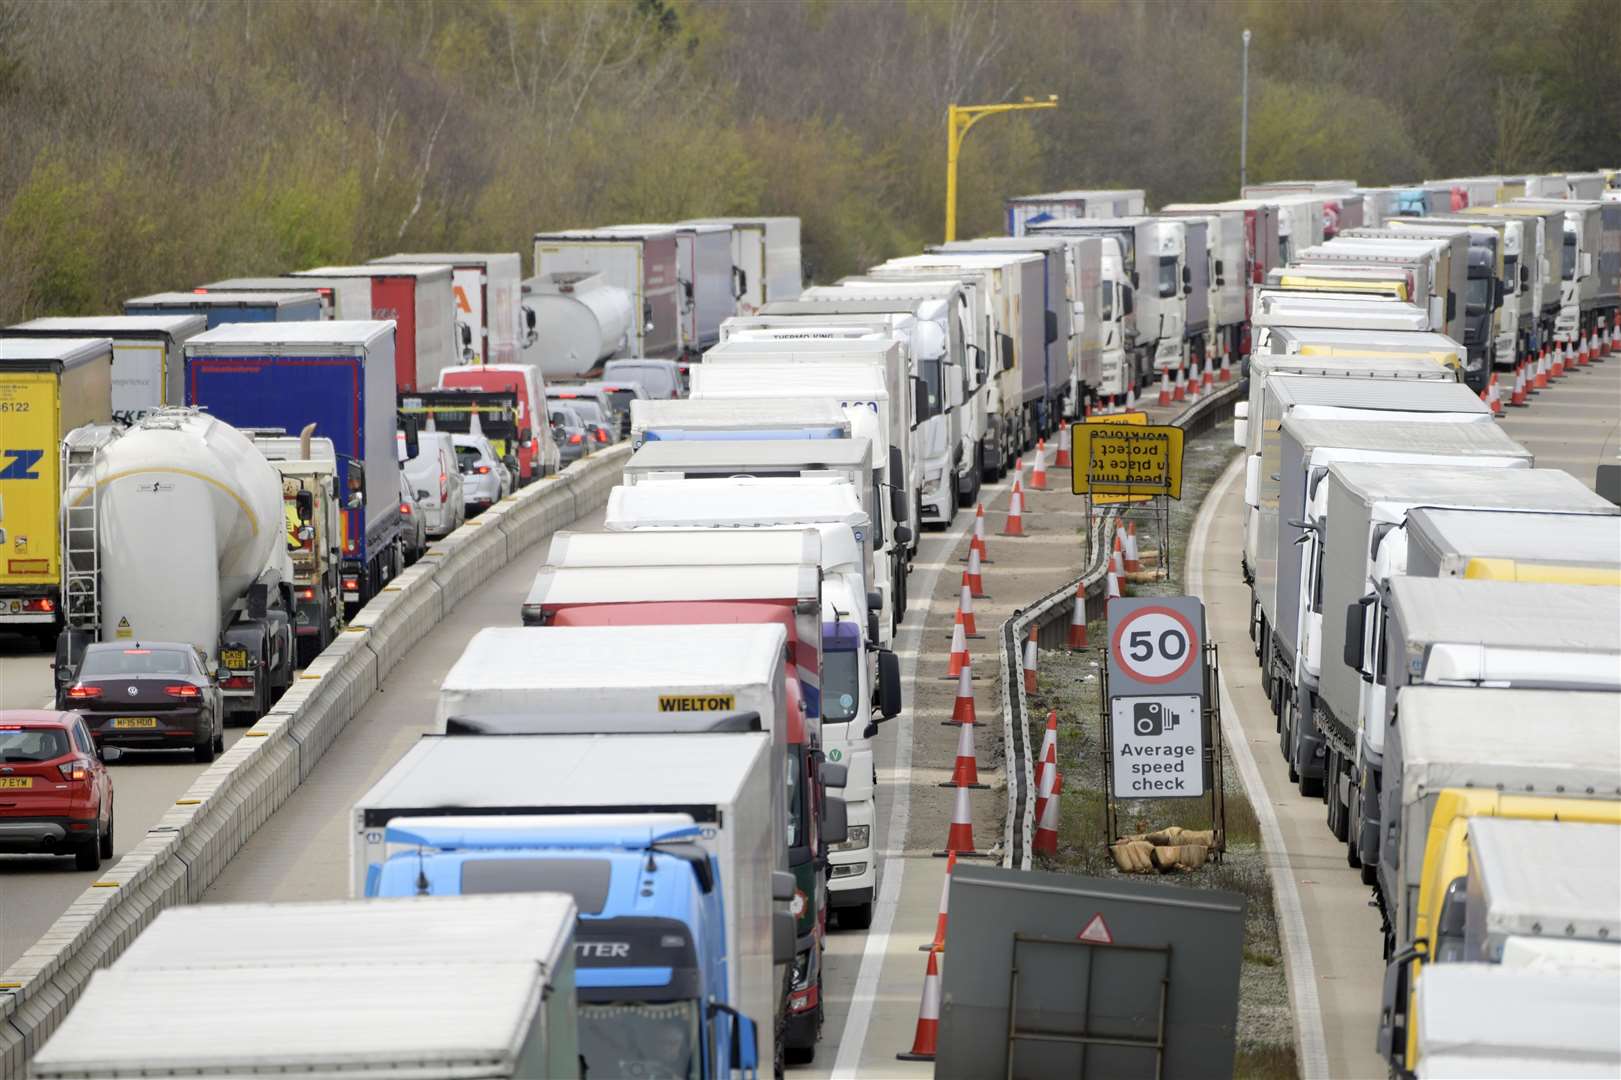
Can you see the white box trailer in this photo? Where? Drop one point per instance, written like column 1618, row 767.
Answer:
column 1533, row 879
column 703, row 266
column 722, row 782
column 422, row 304
column 1543, row 742
column 1576, row 548
column 744, row 419
column 1025, row 210
column 340, row 298
column 1309, row 341
column 148, row 355
column 1445, row 258
column 1323, row 311
column 488, row 293
column 1489, row 1022
column 641, row 261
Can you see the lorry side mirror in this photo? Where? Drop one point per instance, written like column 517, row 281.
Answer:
column 903, row 535
column 745, row 1051
column 1221, row 273
column 833, row 776
column 740, row 282
column 1497, row 293
column 1052, row 327
column 875, row 601
column 782, row 938
column 982, row 367
column 1356, row 618
column 889, row 684
column 305, row 501
column 835, row 821
column 410, row 426
column 920, row 401
column 1452, row 306
column 1525, row 276
column 1187, row 279
column 1007, row 351
column 782, row 885
column 258, row 600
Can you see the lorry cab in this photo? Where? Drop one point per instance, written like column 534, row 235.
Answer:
column 309, row 486
column 531, row 443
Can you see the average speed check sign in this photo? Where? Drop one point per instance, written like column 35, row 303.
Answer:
column 1156, row 646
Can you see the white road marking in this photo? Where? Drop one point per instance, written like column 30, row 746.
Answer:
column 920, row 591
column 1311, row 1046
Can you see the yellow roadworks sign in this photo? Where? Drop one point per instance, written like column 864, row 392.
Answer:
column 696, row 702
column 1128, row 459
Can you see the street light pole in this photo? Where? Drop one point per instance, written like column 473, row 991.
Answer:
column 959, row 118
column 1244, row 121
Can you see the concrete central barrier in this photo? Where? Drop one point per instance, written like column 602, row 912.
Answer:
column 186, row 850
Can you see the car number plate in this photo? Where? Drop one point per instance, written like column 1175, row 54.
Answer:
column 16, row 781
column 135, row 722
column 234, row 658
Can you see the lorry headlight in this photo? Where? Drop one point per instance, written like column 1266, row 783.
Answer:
column 854, row 869
column 856, row 837
column 801, row 970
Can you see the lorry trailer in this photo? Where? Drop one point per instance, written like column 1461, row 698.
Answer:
column 640, row 261
column 148, row 363
column 487, row 294
column 421, row 302
column 220, row 308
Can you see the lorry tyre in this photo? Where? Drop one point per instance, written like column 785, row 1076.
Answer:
column 1370, row 875
column 1309, row 786
column 856, row 918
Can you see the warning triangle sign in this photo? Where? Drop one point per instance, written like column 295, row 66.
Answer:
column 1096, row 931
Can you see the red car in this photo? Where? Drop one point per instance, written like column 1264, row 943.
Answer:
column 56, row 795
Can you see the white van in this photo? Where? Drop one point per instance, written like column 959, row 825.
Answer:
column 436, row 480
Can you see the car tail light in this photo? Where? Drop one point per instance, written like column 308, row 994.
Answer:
column 44, row 604
column 444, row 488
column 574, row 439
column 233, row 682
column 351, row 584
column 182, row 690
column 602, row 436
column 77, row 769
column 306, row 594
column 405, row 508
column 483, row 470
column 83, row 693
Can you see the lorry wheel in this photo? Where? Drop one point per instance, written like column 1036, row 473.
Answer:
column 856, row 918
column 1309, row 786
column 1370, row 875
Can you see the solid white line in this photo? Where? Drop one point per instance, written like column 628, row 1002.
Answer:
column 1311, row 1047
column 920, row 591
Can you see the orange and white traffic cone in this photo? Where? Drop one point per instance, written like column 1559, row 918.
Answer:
column 1556, row 366
column 1517, row 396
column 939, row 942
column 966, row 771
column 1111, row 583
column 1045, row 842
column 1031, row 652
column 1077, row 620
column 1495, row 400
column 1226, row 372
column 1046, row 758
column 974, row 575
column 1132, row 563
column 928, row 1015
column 960, row 837
column 1615, row 336
column 1015, row 514
column 962, row 710
column 1038, row 471
column 958, row 659
column 1164, row 389
column 1209, row 373
column 965, row 607
column 1539, row 378
column 1118, row 554
column 978, row 541
column 1061, row 460
column 1132, row 403
column 1117, row 570
column 1581, row 351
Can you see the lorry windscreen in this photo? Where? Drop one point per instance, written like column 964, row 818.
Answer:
column 1478, row 297
column 841, row 687
column 655, row 1042
column 1167, row 276
column 930, row 370
column 1568, row 268
column 796, row 796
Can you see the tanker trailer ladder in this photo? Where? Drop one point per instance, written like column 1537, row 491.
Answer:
column 1051, row 616
column 81, row 505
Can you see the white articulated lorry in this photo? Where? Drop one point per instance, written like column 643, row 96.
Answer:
column 934, row 357
column 860, row 681
column 180, row 495
column 324, row 981
column 765, row 259
column 1307, row 445
column 1356, row 543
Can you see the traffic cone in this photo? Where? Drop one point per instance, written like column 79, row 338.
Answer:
column 1539, row 379
column 966, row 771
column 958, row 659
column 1517, row 397
column 1118, row 554
column 1615, row 336
column 976, row 578
column 1495, row 396
column 1117, row 570
column 978, row 541
column 1015, row 514
column 1226, row 373
column 1077, row 620
column 1556, row 366
column 1581, row 350
column 939, row 942
column 1031, row 651
column 1086, row 414
column 1193, row 384
column 960, row 837
column 965, row 607
column 1038, row 471
column 1062, row 461
column 1209, row 373
column 1179, row 389
column 1111, row 582
column 1045, row 842
column 1131, row 399
column 1164, row 389
column 928, row 1015
column 1132, row 563
column 962, row 710
column 1047, row 764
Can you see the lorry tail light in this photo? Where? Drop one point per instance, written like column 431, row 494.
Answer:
column 83, row 693
column 306, row 594
column 405, row 508
column 182, row 690
column 236, row 682
column 77, row 769
column 483, row 470
column 351, row 584
column 43, row 603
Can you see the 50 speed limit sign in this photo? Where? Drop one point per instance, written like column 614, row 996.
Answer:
column 1156, row 646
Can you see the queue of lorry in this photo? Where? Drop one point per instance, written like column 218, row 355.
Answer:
column 1435, row 617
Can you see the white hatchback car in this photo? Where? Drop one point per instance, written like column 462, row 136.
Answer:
column 438, row 483
column 485, row 480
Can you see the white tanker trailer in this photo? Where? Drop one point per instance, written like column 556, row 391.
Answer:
column 580, row 321
column 174, row 530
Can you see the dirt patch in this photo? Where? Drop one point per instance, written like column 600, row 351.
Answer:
column 1071, row 684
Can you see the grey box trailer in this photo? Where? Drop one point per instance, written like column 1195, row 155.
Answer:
column 341, row 298
column 1517, row 545
column 149, row 366
column 1537, row 879
column 641, row 260
column 1306, row 448
column 1556, row 743
column 1025, row 210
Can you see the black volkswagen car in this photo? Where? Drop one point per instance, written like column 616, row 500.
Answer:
column 148, row 696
